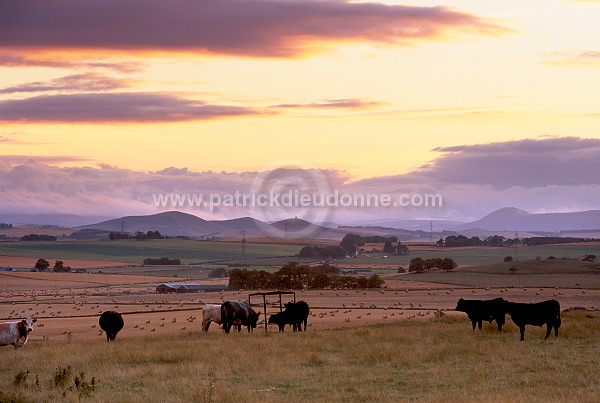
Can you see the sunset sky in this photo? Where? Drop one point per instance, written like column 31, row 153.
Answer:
column 490, row 104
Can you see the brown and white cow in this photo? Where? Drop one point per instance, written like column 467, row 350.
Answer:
column 210, row 313
column 15, row 333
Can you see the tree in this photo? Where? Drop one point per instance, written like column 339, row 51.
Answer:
column 589, row 258
column 60, row 267
column 416, row 265
column 401, row 249
column 42, row 265
column 508, row 258
column 350, row 242
column 388, row 247
column 308, row 252
column 448, row 264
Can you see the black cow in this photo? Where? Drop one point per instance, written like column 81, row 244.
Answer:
column 297, row 314
column 281, row 319
column 239, row 314
column 538, row 314
column 112, row 323
column 479, row 310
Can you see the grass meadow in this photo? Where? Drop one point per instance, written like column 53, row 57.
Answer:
column 480, row 255
column 188, row 251
column 439, row 360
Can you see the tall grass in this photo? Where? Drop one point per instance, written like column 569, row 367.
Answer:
column 440, row 360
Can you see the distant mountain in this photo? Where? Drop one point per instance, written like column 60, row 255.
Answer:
column 172, row 223
column 298, row 228
column 34, row 220
column 514, row 219
column 175, row 223
column 413, row 225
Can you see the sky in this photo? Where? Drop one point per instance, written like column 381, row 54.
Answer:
column 106, row 104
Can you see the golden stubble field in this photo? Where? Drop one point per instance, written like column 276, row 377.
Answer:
column 68, row 305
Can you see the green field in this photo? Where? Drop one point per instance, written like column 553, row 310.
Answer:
column 477, row 255
column 533, row 273
column 130, row 251
column 439, row 360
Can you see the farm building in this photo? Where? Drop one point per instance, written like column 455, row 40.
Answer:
column 168, row 288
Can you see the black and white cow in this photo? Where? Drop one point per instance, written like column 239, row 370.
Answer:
column 15, row 333
column 479, row 310
column 112, row 323
column 238, row 314
column 537, row 314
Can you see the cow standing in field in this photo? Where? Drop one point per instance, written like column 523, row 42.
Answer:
column 15, row 333
column 112, row 323
column 211, row 313
column 281, row 319
column 298, row 313
column 239, row 314
column 537, row 314
column 480, row 310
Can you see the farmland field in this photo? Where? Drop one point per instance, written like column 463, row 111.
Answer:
column 483, row 255
column 437, row 360
column 134, row 252
column 400, row 343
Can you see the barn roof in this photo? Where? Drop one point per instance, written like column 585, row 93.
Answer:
column 194, row 286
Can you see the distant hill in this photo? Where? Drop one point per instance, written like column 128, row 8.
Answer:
column 298, row 228
column 66, row 220
column 172, row 223
column 175, row 223
column 514, row 219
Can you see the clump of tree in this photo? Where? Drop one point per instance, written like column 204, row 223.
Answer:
column 327, row 252
column 219, row 272
column 351, row 243
column 5, row 225
column 547, row 240
column 42, row 265
column 138, row 236
column 59, row 267
column 589, row 258
column 419, row 265
column 296, row 276
column 164, row 261
column 37, row 237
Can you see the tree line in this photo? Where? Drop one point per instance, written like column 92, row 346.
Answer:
column 164, row 261
column 419, row 265
column 138, row 236
column 497, row 240
column 296, row 276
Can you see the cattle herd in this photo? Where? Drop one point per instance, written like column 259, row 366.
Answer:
column 537, row 314
column 238, row 314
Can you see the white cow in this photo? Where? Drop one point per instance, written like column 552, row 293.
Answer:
column 15, row 333
column 210, row 313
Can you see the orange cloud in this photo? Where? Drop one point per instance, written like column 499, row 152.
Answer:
column 252, row 28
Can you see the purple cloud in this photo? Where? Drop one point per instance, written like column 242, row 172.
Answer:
column 87, row 82
column 350, row 103
column 255, row 28
column 114, row 107
column 18, row 60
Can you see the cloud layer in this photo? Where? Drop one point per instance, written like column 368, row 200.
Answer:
column 545, row 175
column 256, row 28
